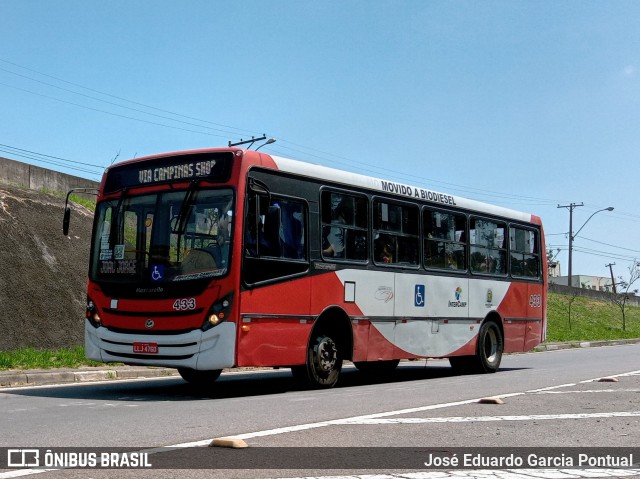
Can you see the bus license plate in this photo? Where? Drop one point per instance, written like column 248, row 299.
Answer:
column 145, row 348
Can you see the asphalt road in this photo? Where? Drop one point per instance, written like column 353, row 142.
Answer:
column 551, row 399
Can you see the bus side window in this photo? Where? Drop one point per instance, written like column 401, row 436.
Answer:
column 344, row 226
column 396, row 232
column 444, row 239
column 524, row 257
column 271, row 244
column 292, row 229
column 488, row 247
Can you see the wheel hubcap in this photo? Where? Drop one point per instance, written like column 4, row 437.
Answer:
column 327, row 355
column 491, row 346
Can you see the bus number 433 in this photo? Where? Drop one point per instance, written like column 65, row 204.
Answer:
column 535, row 301
column 184, row 304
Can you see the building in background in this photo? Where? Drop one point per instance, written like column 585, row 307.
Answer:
column 595, row 283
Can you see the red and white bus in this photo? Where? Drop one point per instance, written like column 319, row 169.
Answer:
column 218, row 258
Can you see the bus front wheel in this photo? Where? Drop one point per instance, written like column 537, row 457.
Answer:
column 199, row 378
column 324, row 363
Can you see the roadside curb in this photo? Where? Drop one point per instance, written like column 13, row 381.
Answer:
column 15, row 378
column 583, row 344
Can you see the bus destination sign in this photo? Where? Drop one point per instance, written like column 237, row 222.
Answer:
column 176, row 172
column 209, row 166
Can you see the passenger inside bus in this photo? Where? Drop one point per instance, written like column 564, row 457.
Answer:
column 334, row 236
column 384, row 249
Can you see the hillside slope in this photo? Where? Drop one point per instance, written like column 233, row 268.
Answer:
column 43, row 274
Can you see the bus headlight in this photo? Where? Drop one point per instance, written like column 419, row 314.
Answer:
column 92, row 314
column 218, row 313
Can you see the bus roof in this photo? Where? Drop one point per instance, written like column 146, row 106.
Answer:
column 349, row 179
column 402, row 190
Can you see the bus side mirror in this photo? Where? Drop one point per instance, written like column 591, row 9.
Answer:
column 65, row 221
column 67, row 210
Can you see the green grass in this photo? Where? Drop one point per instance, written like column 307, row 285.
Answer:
column 87, row 203
column 32, row 358
column 90, row 204
column 591, row 320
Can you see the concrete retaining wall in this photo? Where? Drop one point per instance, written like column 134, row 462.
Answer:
column 36, row 178
column 589, row 293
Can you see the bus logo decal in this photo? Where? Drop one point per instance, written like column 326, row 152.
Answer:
column 489, row 298
column 149, row 324
column 457, row 303
column 419, row 296
column 384, row 293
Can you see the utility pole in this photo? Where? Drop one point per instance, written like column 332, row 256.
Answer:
column 570, row 207
column 613, row 281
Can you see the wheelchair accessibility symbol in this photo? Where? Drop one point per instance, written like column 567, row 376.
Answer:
column 419, row 296
column 157, row 272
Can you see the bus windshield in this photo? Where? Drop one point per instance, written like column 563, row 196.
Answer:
column 163, row 237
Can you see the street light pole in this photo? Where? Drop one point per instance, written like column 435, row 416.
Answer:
column 570, row 207
column 572, row 236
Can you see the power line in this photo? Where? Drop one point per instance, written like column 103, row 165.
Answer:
column 465, row 189
column 613, row 246
column 306, row 151
column 116, row 104
column 40, row 160
column 49, row 156
column 592, row 252
column 114, row 96
column 110, row 113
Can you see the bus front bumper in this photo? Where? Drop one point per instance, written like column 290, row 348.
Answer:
column 200, row 350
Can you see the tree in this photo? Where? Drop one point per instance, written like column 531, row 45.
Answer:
column 568, row 299
column 621, row 298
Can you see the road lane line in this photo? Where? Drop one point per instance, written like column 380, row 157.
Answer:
column 622, row 375
column 334, row 422
column 531, row 417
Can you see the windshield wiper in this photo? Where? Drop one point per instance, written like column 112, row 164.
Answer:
column 117, row 225
column 185, row 210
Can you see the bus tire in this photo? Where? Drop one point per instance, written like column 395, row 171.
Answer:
column 489, row 349
column 324, row 361
column 199, row 378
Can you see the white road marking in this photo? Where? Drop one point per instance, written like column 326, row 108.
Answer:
column 334, row 422
column 532, row 417
column 23, row 472
column 591, row 391
column 560, row 386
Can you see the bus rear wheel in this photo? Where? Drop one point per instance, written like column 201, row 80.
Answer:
column 324, row 363
column 199, row 378
column 488, row 355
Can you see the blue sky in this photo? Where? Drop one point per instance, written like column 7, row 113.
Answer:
column 526, row 104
